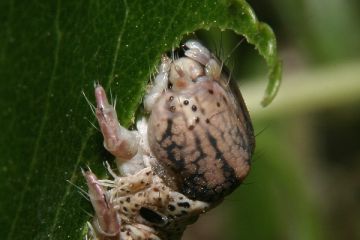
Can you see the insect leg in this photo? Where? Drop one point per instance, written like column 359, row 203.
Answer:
column 160, row 83
column 107, row 222
column 118, row 140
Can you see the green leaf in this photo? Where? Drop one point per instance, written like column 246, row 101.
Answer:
column 52, row 50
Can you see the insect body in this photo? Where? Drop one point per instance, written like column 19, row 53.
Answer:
column 194, row 149
column 199, row 129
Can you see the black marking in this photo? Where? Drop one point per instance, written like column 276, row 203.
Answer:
column 199, row 148
column 197, row 119
column 170, row 85
column 171, row 207
column 177, row 164
column 152, row 216
column 167, row 133
column 211, row 91
column 207, row 120
column 218, row 104
column 184, row 204
column 194, row 108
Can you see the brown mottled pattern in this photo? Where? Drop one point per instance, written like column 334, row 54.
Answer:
column 204, row 135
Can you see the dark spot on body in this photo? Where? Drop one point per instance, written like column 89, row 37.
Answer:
column 218, row 104
column 194, row 108
column 191, row 127
column 207, row 120
column 152, row 216
column 128, row 199
column 211, row 91
column 171, row 207
column 197, row 119
column 155, row 189
column 125, row 209
column 184, row 204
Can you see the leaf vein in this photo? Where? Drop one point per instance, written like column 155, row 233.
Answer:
column 118, row 44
